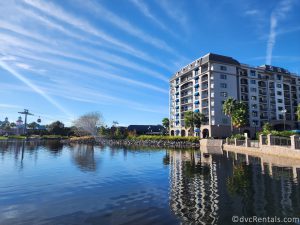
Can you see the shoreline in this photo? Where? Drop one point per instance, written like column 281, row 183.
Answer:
column 129, row 142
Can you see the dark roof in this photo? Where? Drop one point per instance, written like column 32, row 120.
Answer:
column 145, row 128
column 274, row 69
column 219, row 58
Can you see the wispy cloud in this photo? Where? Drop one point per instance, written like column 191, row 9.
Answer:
column 175, row 13
column 2, row 105
column 83, row 25
column 103, row 13
column 28, row 83
column 142, row 6
column 252, row 12
column 277, row 14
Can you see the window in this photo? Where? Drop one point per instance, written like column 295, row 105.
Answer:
column 223, row 76
column 223, row 85
column 254, row 113
column 254, row 106
column 253, row 81
column 278, row 77
column 278, row 85
column 279, row 100
column 255, row 122
column 223, row 94
column 253, row 98
column 280, row 108
column 279, row 93
column 212, row 112
column 252, row 73
column 253, row 89
column 224, row 68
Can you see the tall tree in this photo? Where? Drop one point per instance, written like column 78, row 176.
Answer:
column 12, row 125
column 166, row 123
column 240, row 115
column 189, row 119
column 199, row 119
column 228, row 109
column 298, row 112
column 89, row 123
column 56, row 128
column 33, row 125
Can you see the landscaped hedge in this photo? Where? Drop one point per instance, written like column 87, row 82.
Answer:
column 285, row 133
column 237, row 136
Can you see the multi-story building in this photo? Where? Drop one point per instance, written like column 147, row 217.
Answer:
column 271, row 94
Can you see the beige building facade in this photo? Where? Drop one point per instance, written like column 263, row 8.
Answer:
column 271, row 94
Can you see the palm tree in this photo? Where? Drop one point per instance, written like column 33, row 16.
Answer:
column 199, row 119
column 33, row 125
column 228, row 108
column 12, row 125
column 298, row 112
column 189, row 121
column 166, row 123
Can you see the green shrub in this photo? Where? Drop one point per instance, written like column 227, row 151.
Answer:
column 285, row 133
column 238, row 136
column 16, row 137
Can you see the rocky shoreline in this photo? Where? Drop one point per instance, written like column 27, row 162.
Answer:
column 128, row 142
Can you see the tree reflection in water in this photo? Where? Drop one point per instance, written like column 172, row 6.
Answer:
column 83, row 156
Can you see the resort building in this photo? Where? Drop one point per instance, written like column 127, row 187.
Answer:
column 271, row 94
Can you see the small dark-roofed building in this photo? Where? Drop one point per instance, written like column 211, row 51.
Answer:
column 146, row 129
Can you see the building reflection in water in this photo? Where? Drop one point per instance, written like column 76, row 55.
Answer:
column 210, row 189
column 84, row 157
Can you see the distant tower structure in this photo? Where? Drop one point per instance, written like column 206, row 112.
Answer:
column 6, row 120
column 19, row 122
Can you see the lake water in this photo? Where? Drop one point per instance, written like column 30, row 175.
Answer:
column 51, row 183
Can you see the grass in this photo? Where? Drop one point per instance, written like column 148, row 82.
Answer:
column 16, row 137
column 3, row 138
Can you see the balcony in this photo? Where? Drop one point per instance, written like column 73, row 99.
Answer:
column 262, row 100
column 204, row 96
column 262, row 92
column 244, row 81
column 204, row 78
column 245, row 90
column 262, row 84
column 204, row 86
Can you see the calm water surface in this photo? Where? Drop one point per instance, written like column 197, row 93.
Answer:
column 51, row 183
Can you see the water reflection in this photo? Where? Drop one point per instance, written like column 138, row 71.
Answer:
column 141, row 185
column 210, row 189
column 84, row 157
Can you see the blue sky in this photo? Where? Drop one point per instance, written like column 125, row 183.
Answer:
column 61, row 59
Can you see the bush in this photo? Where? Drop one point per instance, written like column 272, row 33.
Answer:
column 285, row 133
column 238, row 136
column 83, row 138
